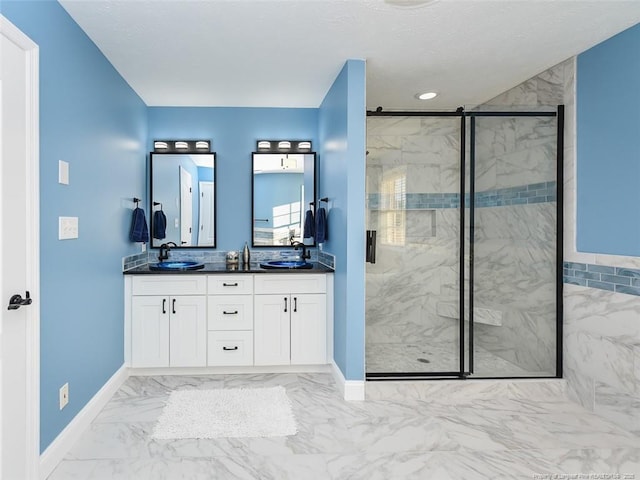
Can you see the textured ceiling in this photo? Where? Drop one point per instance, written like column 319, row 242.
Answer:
column 286, row 53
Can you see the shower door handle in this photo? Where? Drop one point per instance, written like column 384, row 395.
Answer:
column 371, row 246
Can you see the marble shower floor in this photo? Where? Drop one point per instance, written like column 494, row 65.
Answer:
column 497, row 438
column 440, row 357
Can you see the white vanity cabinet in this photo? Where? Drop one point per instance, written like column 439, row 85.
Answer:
column 290, row 319
column 168, row 321
column 230, row 320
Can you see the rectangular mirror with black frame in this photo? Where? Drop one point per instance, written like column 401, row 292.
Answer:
column 183, row 199
column 283, row 192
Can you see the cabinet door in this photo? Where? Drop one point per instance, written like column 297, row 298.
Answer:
column 308, row 329
column 150, row 331
column 188, row 331
column 271, row 335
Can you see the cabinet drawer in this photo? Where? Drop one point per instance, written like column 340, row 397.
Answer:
column 230, row 348
column 169, row 285
column 231, row 284
column 291, row 283
column 230, row 312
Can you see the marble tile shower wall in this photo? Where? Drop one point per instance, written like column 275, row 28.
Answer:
column 515, row 247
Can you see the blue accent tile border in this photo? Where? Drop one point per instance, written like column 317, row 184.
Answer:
column 602, row 277
column 521, row 195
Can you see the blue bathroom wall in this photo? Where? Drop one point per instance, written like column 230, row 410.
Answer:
column 233, row 132
column 91, row 118
column 608, row 150
column 342, row 126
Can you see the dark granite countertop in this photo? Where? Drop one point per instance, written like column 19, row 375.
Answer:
column 210, row 268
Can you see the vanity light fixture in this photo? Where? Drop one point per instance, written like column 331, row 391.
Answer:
column 283, row 146
column 426, row 95
column 182, row 146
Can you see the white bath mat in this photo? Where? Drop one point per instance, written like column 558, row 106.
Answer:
column 240, row 412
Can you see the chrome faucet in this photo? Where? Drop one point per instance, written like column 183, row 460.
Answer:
column 305, row 253
column 164, row 251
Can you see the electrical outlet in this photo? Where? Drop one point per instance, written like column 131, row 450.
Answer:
column 64, row 395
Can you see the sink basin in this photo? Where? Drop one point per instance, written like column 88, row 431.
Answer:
column 176, row 266
column 286, row 264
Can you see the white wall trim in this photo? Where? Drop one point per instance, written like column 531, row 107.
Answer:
column 63, row 443
column 352, row 390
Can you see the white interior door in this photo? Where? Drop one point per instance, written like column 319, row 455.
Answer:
column 19, row 255
column 186, row 207
column 206, row 208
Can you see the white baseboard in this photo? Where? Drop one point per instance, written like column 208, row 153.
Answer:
column 352, row 390
column 62, row 444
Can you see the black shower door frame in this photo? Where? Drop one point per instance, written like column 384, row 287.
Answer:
column 463, row 372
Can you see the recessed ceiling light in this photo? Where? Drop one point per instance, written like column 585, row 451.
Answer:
column 426, row 95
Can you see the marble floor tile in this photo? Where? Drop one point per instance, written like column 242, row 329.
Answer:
column 403, row 437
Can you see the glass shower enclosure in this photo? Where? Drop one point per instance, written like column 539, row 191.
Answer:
column 463, row 244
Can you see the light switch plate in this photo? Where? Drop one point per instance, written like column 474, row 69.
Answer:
column 63, row 172
column 67, row 228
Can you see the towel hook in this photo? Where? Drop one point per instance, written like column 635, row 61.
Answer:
column 155, row 204
column 323, row 199
column 136, row 200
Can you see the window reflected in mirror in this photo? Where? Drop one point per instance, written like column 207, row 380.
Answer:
column 183, row 199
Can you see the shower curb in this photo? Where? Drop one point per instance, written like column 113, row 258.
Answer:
column 463, row 391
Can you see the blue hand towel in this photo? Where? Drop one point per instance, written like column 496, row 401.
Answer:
column 321, row 226
column 159, row 225
column 309, row 225
column 139, row 231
